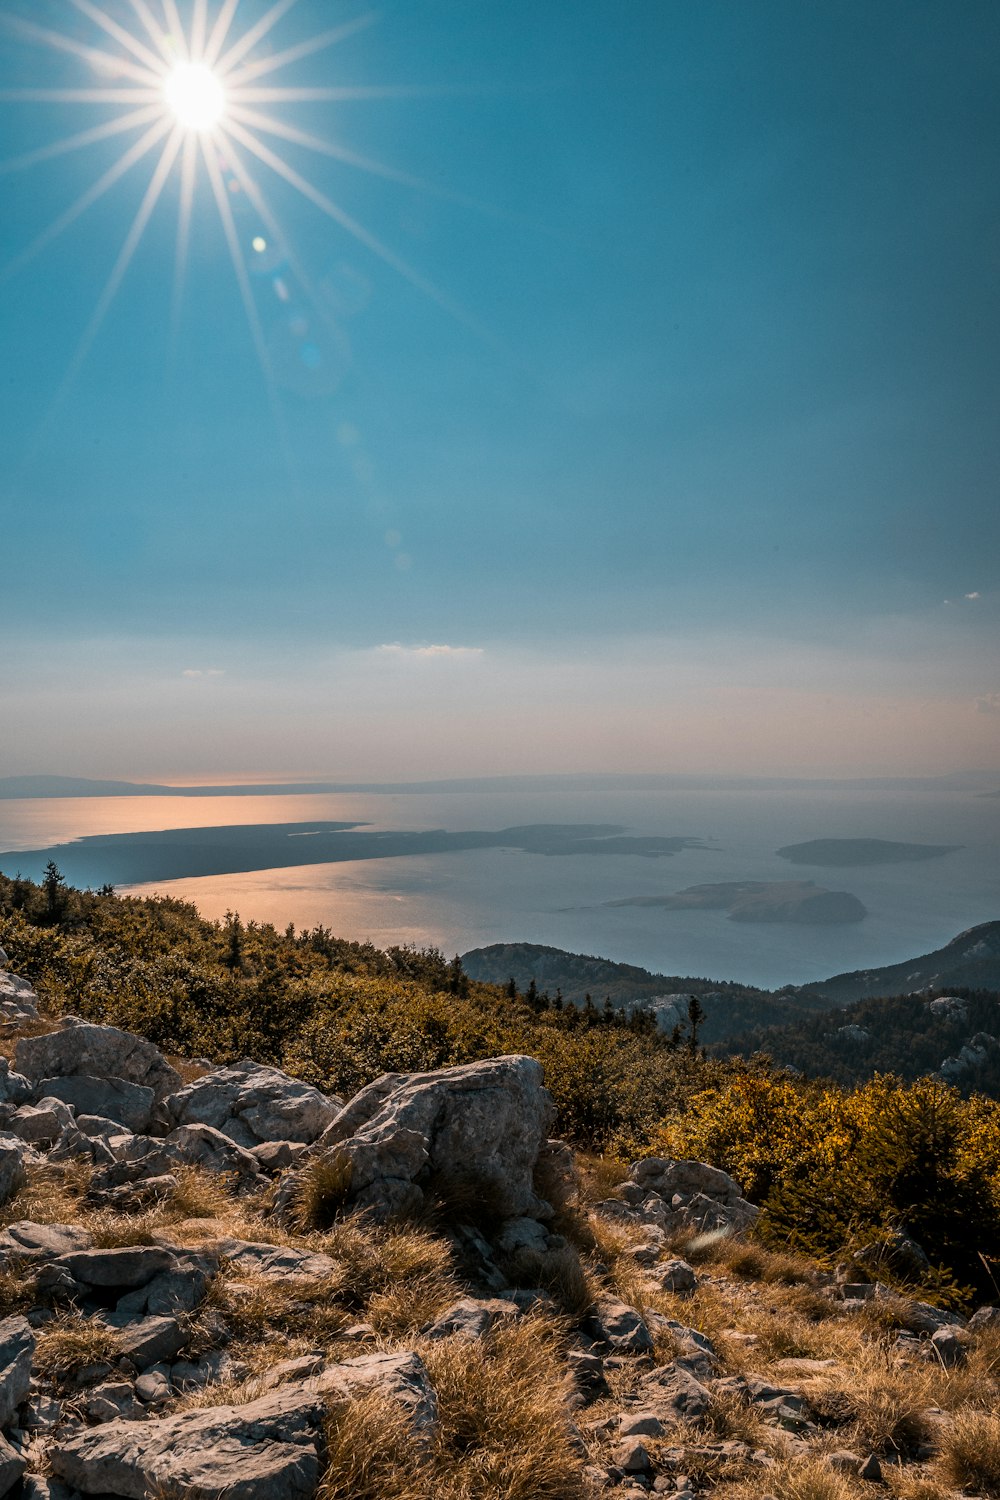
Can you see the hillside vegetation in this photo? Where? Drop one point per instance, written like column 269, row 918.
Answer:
column 835, row 1169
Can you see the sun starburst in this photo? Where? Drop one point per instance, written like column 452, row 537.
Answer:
column 193, row 95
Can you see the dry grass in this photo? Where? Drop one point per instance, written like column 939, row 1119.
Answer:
column 970, row 1452
column 502, row 1430
column 322, row 1187
column 879, row 1407
column 599, row 1176
column 371, row 1454
column 795, row 1479
column 51, row 1195
column 749, row 1260
column 198, row 1195
column 70, row 1343
column 403, row 1308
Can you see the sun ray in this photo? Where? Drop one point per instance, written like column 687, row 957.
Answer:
column 302, row 49
column 279, row 95
column 151, row 27
column 246, row 292
column 256, row 197
column 358, row 231
column 136, row 231
column 83, row 138
column 120, row 34
column 188, row 166
column 175, row 28
column 96, row 56
column 255, row 34
column 217, row 39
column 199, row 26
column 80, row 96
column 135, row 153
column 271, row 126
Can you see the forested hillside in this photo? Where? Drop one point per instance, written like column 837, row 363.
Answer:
column 954, row 1035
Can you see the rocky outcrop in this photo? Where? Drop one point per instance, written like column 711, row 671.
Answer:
column 252, row 1104
column 18, row 1001
column 681, row 1197
column 268, row 1449
column 480, row 1126
column 81, row 1048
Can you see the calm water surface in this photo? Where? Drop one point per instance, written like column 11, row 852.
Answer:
column 462, row 900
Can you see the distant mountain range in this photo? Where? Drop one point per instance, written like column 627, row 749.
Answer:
column 789, row 1022
column 983, row 783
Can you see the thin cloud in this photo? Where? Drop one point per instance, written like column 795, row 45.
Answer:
column 422, row 653
column 203, row 672
column 989, row 703
column 975, row 595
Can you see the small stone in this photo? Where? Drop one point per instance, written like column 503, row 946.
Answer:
column 633, row 1458
column 675, row 1276
column 845, row 1461
column 642, row 1424
column 152, row 1388
column 871, row 1469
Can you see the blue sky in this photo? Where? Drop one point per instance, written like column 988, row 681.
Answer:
column 706, row 432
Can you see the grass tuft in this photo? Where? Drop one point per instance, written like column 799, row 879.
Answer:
column 970, row 1452
column 322, row 1188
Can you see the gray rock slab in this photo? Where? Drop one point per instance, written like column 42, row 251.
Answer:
column 150, row 1340
column 252, row 1104
column 132, row 1266
column 674, row 1393
column 275, row 1260
column 12, row 1467
column 26, row 1240
column 13, row 1175
column 470, row 1318
column 17, row 1350
column 129, row 1104
column 268, row 1449
column 621, row 1327
column 481, row 1125
column 81, row 1047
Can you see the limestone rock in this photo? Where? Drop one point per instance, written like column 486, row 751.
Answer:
column 674, row 1393
column 128, row 1104
column 983, row 1318
column 27, row 1241
column 17, row 1350
column 275, row 1260
column 12, row 1467
column 81, row 1047
column 470, row 1318
column 675, row 1276
column 480, row 1125
column 680, row 1196
column 203, row 1146
column 14, row 1087
column 18, row 1001
column 252, row 1104
column 268, row 1449
column 130, row 1267
column 621, row 1327
column 150, row 1340
column 42, row 1123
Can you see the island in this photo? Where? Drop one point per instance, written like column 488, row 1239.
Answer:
column 761, row 901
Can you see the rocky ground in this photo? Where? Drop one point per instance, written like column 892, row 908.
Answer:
column 223, row 1284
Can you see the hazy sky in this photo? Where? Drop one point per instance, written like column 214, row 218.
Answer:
column 663, row 433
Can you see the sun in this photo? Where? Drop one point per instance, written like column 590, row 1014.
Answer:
column 192, row 91
column 195, row 95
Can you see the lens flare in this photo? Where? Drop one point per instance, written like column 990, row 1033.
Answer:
column 195, row 95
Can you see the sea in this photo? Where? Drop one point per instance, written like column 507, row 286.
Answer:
column 460, row 900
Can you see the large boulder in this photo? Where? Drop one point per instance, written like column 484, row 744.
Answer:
column 480, row 1127
column 26, row 1241
column 128, row 1104
column 83, row 1048
column 252, row 1104
column 269, row 1449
